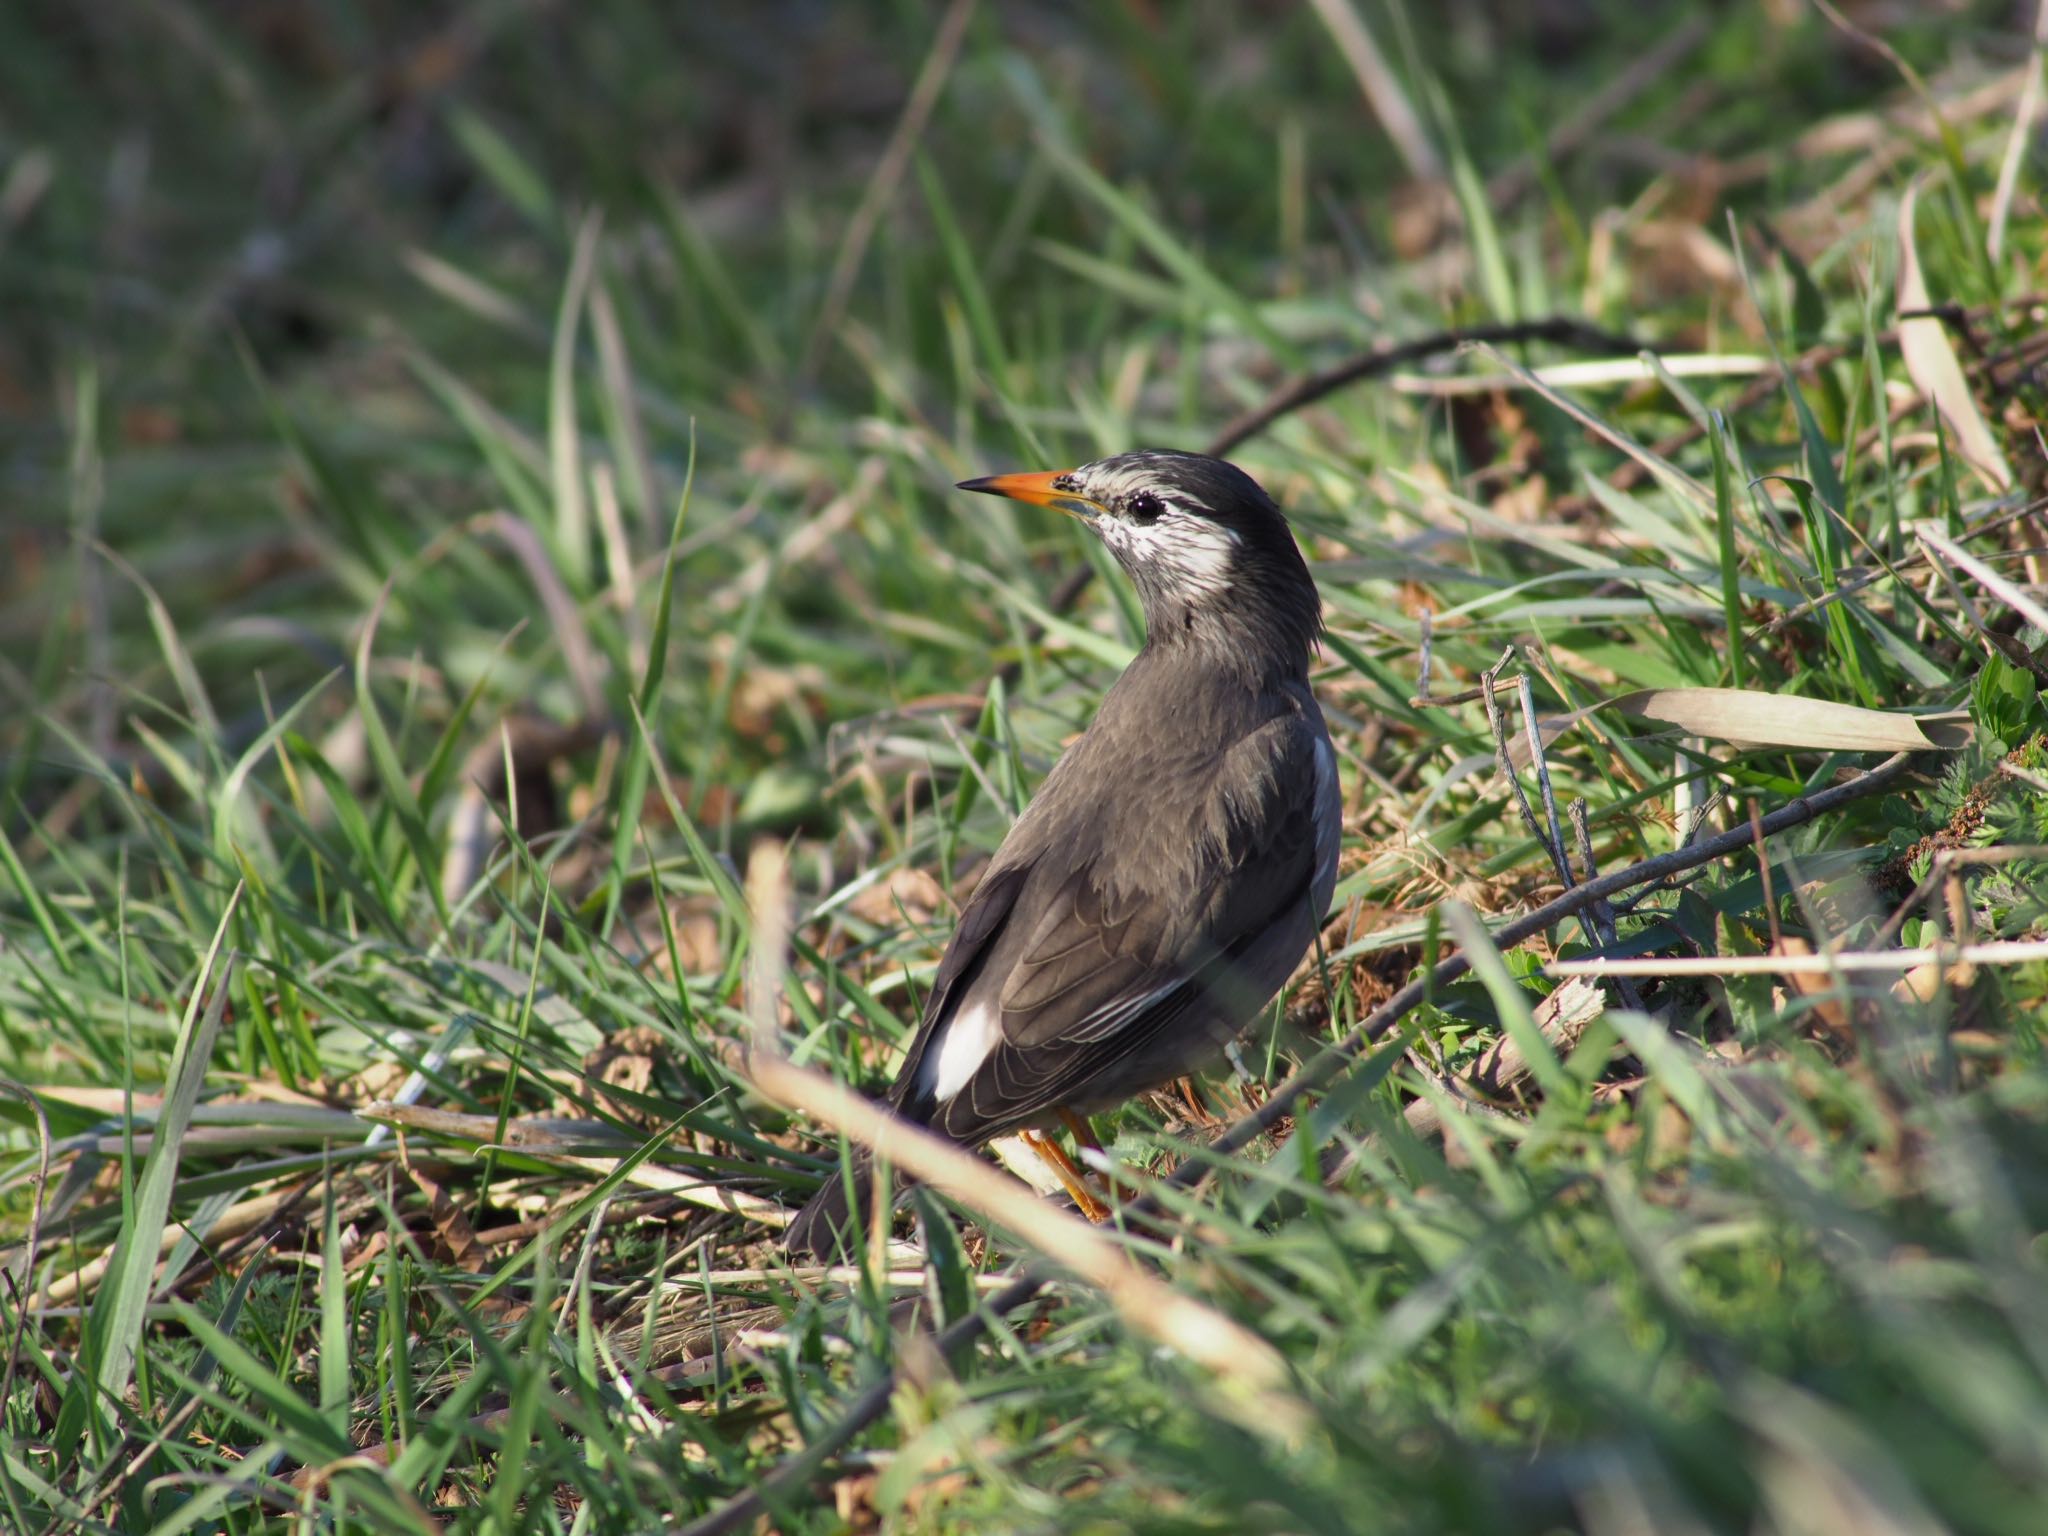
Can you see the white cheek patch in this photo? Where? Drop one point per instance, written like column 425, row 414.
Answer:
column 964, row 1043
column 1192, row 555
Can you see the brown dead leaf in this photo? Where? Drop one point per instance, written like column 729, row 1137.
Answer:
column 904, row 895
column 1671, row 258
column 377, row 1080
column 1423, row 212
column 1924, row 983
column 762, row 692
column 1805, row 984
column 625, row 1061
column 853, row 1500
column 457, row 1236
column 368, row 1252
column 628, row 1070
column 697, row 945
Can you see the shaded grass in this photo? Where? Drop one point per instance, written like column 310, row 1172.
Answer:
column 375, row 515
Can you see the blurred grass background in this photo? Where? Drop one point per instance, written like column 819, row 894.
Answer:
column 471, row 473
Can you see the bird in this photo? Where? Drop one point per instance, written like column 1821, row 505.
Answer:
column 1174, row 865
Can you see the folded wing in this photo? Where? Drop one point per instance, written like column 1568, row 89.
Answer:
column 1105, row 971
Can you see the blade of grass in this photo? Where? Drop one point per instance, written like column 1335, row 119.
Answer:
column 115, row 1327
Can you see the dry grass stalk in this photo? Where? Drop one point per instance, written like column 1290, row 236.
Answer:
column 242, row 1217
column 1250, row 1370
column 2004, row 952
column 871, row 1402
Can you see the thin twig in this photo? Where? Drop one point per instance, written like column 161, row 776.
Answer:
column 1505, row 763
column 1664, row 887
column 1632, row 472
column 1534, row 732
column 1601, row 912
column 1315, row 1074
column 1306, row 390
column 1552, row 841
column 1422, row 698
column 2005, row 591
column 1870, row 578
column 1944, row 860
column 1763, row 869
column 2006, row 952
column 1463, row 696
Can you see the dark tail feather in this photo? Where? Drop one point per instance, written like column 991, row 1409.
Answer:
column 830, row 1229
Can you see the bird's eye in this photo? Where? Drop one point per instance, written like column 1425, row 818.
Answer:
column 1144, row 507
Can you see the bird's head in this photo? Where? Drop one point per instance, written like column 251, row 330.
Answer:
column 1211, row 555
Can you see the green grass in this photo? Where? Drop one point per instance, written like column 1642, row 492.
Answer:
column 449, row 528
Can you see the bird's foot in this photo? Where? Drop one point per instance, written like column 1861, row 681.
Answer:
column 1198, row 1109
column 1072, row 1180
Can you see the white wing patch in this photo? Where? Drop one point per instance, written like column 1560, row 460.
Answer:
column 964, row 1043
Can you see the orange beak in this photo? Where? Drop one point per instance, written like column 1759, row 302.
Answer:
column 1041, row 489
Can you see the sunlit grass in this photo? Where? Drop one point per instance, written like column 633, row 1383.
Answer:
column 403, row 653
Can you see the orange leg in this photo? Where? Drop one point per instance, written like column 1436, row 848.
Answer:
column 1069, row 1176
column 1078, row 1128
column 1084, row 1137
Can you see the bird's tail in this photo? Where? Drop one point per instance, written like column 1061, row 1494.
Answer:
column 829, row 1229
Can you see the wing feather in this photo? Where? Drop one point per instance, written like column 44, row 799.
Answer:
column 1107, row 970
column 981, row 924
